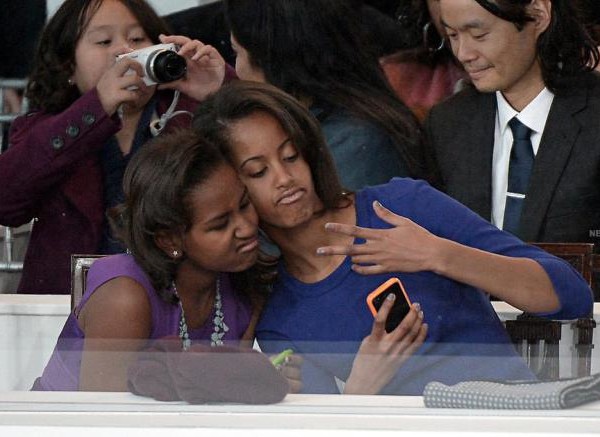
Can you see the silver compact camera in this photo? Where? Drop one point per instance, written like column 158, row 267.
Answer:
column 161, row 63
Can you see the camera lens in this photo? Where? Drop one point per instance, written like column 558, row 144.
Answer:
column 166, row 66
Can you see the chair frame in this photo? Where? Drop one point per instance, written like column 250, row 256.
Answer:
column 80, row 264
column 537, row 339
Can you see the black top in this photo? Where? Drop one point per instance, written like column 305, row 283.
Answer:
column 114, row 164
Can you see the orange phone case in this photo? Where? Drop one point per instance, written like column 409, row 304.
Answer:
column 382, row 289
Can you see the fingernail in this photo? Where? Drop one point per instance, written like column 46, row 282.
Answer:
column 328, row 225
column 377, row 204
column 320, row 251
column 391, row 297
column 417, row 306
column 421, row 315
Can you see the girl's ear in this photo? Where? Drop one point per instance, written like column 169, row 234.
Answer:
column 170, row 243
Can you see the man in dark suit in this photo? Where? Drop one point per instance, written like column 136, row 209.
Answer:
column 530, row 64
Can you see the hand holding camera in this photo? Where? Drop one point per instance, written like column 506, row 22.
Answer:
column 206, row 67
column 116, row 87
column 160, row 63
column 127, row 81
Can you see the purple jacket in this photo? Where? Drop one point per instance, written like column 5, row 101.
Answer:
column 51, row 173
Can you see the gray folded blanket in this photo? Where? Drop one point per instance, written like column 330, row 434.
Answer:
column 205, row 374
column 554, row 395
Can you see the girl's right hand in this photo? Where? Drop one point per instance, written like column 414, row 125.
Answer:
column 381, row 354
column 119, row 85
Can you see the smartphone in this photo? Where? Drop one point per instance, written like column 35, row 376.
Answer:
column 401, row 305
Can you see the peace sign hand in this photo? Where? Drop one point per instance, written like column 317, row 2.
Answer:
column 406, row 247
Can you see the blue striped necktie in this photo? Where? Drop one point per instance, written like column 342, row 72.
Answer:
column 519, row 171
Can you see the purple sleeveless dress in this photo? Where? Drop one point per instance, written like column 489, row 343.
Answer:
column 62, row 371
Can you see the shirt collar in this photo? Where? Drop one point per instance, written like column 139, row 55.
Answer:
column 534, row 115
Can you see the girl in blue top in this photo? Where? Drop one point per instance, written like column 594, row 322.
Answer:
column 337, row 246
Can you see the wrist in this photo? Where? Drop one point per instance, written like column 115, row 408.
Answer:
column 108, row 107
column 441, row 256
column 356, row 386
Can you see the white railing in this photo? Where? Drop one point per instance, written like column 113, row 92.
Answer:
column 9, row 265
column 30, row 325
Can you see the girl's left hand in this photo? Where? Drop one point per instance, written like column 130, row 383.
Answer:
column 290, row 369
column 205, row 67
column 406, row 247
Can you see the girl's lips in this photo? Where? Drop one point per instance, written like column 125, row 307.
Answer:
column 249, row 246
column 291, row 197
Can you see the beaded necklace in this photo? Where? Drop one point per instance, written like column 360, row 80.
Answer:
column 219, row 325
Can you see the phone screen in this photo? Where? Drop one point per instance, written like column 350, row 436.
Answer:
column 399, row 310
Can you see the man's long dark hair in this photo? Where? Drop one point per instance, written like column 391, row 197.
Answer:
column 565, row 49
column 313, row 49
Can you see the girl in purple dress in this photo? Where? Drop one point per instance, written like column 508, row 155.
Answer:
column 191, row 232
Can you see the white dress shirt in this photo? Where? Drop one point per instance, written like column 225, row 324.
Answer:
column 534, row 116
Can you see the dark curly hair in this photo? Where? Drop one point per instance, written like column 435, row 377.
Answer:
column 313, row 49
column 157, row 185
column 565, row 49
column 423, row 42
column 54, row 61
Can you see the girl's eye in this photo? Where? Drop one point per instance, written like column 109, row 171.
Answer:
column 104, row 42
column 291, row 158
column 259, row 173
column 138, row 40
column 220, row 226
column 480, row 37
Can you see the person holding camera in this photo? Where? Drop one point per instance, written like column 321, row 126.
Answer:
column 95, row 104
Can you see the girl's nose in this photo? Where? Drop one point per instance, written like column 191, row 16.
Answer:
column 121, row 49
column 246, row 228
column 282, row 176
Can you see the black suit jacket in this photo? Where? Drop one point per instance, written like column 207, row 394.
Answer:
column 563, row 199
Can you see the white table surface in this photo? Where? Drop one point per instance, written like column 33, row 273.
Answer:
column 335, row 414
